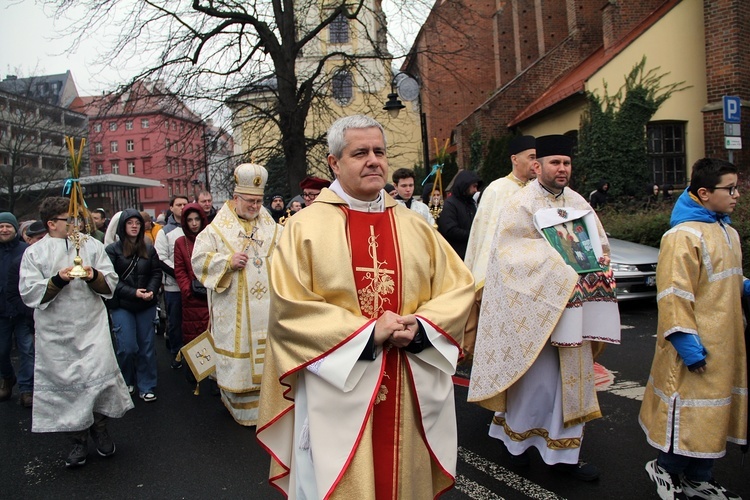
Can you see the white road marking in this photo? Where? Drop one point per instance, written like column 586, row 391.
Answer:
column 627, row 389
column 503, row 475
column 474, row 490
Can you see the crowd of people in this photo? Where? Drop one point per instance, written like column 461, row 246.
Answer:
column 338, row 318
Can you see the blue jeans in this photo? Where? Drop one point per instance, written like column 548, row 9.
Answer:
column 23, row 328
column 136, row 353
column 695, row 469
column 173, row 301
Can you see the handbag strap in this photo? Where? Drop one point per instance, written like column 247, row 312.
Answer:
column 130, row 268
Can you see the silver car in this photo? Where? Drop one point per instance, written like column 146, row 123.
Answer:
column 634, row 267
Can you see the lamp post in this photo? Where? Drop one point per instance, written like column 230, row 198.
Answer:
column 407, row 87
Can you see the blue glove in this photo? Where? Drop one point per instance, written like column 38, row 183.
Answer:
column 690, row 349
column 745, row 287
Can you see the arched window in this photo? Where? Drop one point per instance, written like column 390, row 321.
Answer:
column 342, row 87
column 338, row 30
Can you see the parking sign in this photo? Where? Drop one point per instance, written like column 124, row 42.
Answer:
column 731, row 109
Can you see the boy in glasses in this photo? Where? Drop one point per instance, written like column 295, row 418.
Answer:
column 696, row 396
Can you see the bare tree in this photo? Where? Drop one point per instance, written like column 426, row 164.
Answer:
column 260, row 56
column 33, row 155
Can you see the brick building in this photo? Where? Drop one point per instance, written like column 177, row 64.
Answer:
column 148, row 132
column 549, row 53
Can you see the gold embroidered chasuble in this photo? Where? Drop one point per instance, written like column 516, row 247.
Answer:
column 330, row 282
column 491, row 205
column 699, row 285
column 238, row 303
column 527, row 290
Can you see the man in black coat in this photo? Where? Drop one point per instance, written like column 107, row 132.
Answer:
column 14, row 317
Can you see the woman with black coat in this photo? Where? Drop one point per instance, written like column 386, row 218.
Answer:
column 133, row 307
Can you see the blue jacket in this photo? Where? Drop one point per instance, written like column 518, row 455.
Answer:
column 10, row 255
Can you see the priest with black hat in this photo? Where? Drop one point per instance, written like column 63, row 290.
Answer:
column 544, row 316
column 522, row 150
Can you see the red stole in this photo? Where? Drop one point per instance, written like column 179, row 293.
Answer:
column 377, row 273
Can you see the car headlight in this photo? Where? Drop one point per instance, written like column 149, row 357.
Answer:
column 623, row 268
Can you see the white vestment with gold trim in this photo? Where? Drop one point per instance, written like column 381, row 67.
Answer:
column 239, row 302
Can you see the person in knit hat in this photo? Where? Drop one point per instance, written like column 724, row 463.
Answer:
column 12, row 320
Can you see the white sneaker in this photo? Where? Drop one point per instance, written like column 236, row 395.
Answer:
column 668, row 486
column 131, row 389
column 148, row 396
column 710, row 490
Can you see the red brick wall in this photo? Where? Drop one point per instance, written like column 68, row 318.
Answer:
column 727, row 28
column 456, row 62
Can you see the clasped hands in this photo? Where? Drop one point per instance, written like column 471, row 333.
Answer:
column 395, row 329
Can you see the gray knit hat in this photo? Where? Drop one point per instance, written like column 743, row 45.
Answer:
column 9, row 218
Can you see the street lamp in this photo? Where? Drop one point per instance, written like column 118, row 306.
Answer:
column 407, row 87
column 393, row 106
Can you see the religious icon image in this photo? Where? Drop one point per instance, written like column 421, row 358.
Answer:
column 572, row 242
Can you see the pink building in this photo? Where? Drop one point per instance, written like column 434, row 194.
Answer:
column 145, row 131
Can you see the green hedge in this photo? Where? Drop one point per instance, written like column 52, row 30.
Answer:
column 647, row 225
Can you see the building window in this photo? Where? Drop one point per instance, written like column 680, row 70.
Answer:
column 182, row 127
column 169, row 190
column 129, row 125
column 130, row 145
column 166, row 124
column 98, row 149
column 146, row 166
column 146, row 144
column 144, row 122
column 113, row 146
column 190, row 149
column 115, row 167
column 131, row 168
column 112, row 126
column 174, row 146
column 166, row 144
column 666, row 152
column 176, row 167
column 97, row 127
column 169, row 166
column 99, row 169
column 338, row 30
column 174, row 125
column 342, row 87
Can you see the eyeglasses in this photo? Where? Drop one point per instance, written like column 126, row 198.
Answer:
column 252, row 203
column 731, row 189
column 60, row 219
column 310, row 196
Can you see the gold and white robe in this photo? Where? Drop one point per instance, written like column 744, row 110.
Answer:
column 699, row 288
column 318, row 397
column 238, row 303
column 530, row 297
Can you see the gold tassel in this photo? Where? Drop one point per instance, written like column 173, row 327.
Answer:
column 197, row 390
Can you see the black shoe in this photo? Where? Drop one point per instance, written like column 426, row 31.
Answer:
column 176, row 365
column 104, row 444
column 581, row 471
column 6, row 388
column 26, row 400
column 77, row 455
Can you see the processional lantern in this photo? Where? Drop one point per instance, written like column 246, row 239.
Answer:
column 79, row 219
column 436, row 206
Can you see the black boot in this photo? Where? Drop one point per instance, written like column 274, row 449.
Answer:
column 104, row 444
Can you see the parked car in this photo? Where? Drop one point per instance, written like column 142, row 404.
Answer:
column 634, row 267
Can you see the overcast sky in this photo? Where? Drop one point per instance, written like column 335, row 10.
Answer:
column 30, row 45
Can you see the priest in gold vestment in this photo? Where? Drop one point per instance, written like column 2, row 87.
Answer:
column 696, row 396
column 231, row 258
column 367, row 313
column 522, row 151
column 540, row 319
